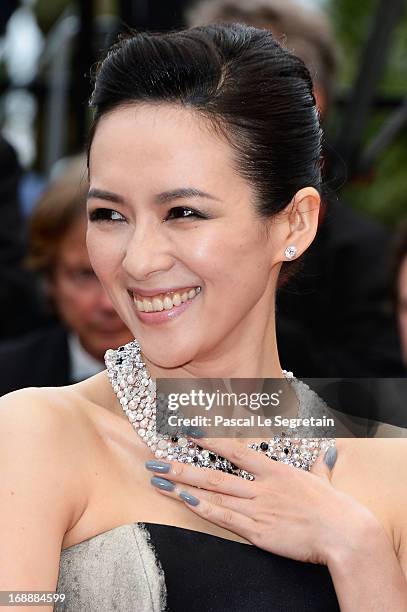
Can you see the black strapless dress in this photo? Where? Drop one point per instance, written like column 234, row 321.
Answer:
column 205, row 573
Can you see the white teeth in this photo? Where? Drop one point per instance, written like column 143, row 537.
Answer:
column 157, row 304
column 176, row 299
column 167, row 303
column 148, row 307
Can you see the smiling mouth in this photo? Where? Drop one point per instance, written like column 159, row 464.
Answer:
column 164, row 301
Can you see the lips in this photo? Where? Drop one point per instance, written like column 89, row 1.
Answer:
column 164, row 307
column 164, row 301
column 161, row 291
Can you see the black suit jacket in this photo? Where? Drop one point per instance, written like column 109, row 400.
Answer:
column 39, row 359
column 331, row 317
column 21, row 306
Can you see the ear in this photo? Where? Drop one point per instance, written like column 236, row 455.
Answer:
column 301, row 221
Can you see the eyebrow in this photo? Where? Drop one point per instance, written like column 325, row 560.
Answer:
column 183, row 193
column 102, row 194
column 161, row 198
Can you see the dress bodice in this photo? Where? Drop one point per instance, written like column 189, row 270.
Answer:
column 146, row 567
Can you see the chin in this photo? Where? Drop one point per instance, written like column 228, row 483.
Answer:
column 164, row 357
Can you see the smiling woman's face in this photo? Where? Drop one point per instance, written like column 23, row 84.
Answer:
column 168, row 213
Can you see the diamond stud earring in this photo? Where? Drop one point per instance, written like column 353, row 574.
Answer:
column 290, row 252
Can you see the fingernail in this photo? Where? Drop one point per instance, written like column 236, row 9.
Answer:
column 157, row 466
column 162, row 483
column 330, row 456
column 190, row 499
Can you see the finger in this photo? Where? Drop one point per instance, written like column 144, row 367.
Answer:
column 189, row 494
column 199, row 502
column 227, row 518
column 237, row 504
column 203, row 478
column 325, row 462
column 240, row 454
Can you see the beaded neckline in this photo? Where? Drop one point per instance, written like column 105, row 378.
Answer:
column 136, row 392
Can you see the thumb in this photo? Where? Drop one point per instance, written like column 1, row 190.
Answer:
column 325, row 462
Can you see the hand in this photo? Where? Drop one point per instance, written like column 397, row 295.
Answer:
column 285, row 510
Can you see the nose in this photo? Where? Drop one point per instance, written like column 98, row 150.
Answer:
column 147, row 252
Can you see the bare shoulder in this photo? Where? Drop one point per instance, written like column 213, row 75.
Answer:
column 44, row 429
column 381, row 462
column 44, row 420
column 35, row 407
column 43, row 487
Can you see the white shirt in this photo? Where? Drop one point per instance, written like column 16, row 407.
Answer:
column 83, row 365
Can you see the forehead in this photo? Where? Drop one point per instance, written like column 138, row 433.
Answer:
column 159, row 146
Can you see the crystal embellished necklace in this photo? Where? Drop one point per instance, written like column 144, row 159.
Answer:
column 136, row 392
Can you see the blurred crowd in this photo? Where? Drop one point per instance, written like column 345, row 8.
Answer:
column 59, row 321
column 343, row 314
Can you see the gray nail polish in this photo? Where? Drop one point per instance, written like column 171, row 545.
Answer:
column 158, row 466
column 162, row 483
column 190, row 499
column 330, row 456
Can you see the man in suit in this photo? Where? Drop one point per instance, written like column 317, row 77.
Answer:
column 85, row 323
column 20, row 304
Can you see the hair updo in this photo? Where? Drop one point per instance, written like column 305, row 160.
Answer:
column 240, row 79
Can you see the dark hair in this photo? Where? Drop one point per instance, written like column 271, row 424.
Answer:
column 249, row 87
column 60, row 206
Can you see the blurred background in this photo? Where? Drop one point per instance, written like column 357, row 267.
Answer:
column 352, row 308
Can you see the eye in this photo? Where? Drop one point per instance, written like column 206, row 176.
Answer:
column 181, row 212
column 105, row 214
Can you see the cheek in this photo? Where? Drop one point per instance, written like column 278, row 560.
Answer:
column 72, row 300
column 227, row 258
column 94, row 249
column 63, row 294
column 105, row 254
column 76, row 302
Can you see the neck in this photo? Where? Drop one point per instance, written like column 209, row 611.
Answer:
column 246, row 353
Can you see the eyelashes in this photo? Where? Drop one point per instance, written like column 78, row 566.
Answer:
column 109, row 215
column 104, row 214
column 190, row 212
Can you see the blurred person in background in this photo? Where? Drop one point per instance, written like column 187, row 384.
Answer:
column 336, row 299
column 399, row 284
column 71, row 348
column 386, row 398
column 21, row 307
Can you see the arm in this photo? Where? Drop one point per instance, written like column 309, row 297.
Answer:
column 369, row 566
column 40, row 490
column 367, row 574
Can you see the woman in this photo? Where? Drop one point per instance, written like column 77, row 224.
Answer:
column 204, row 177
